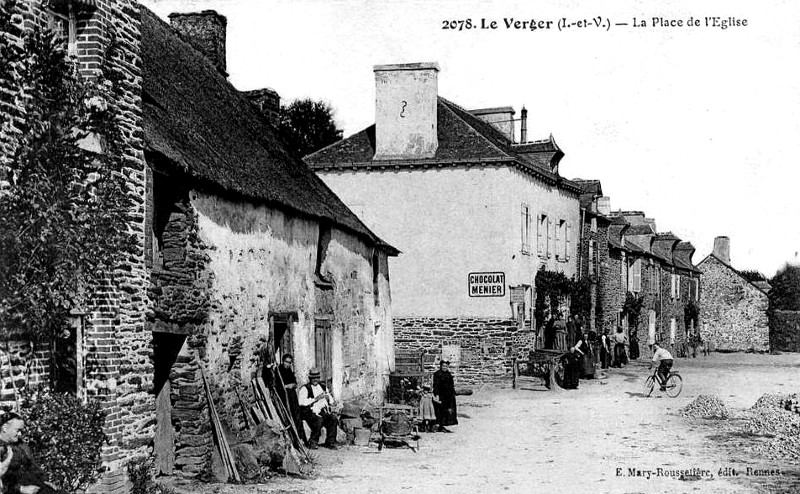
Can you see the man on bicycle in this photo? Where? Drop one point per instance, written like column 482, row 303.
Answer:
column 663, row 359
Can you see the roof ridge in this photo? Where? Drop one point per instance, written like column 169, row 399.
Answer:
column 472, row 127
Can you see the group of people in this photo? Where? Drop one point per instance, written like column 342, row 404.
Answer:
column 437, row 405
column 311, row 403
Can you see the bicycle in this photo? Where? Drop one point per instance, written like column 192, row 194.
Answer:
column 673, row 386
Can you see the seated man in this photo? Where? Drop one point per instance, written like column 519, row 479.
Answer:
column 314, row 409
column 22, row 475
column 663, row 359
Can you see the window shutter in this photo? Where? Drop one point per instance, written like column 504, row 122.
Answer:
column 549, row 238
column 637, row 276
column 525, row 222
column 559, row 239
column 568, row 243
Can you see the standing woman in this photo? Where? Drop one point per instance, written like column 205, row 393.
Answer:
column 634, row 345
column 588, row 358
column 444, row 397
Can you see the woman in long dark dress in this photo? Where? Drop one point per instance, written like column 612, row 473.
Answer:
column 587, row 371
column 634, row 345
column 444, row 397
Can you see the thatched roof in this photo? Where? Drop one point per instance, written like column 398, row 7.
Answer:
column 197, row 122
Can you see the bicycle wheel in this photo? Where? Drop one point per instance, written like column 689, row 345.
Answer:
column 649, row 384
column 674, row 385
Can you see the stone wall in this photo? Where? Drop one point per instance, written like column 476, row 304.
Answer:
column 481, row 350
column 784, row 330
column 118, row 369
column 733, row 310
column 22, row 364
column 599, row 279
column 224, row 267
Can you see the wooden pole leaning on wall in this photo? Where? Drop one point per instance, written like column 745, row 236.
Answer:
column 222, row 441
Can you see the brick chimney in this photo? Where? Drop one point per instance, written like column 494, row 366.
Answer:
column 722, row 249
column 501, row 118
column 267, row 101
column 406, row 98
column 205, row 31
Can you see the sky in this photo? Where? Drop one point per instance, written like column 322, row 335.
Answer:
column 697, row 126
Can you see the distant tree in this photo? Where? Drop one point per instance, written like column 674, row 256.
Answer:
column 307, row 126
column 785, row 292
column 753, row 275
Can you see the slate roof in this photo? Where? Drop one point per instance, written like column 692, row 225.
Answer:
column 639, row 230
column 196, row 121
column 464, row 139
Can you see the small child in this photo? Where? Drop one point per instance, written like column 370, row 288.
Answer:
column 426, row 411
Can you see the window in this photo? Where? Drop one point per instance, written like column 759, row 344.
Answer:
column 542, row 235
column 636, row 276
column 593, row 258
column 696, row 284
column 678, row 286
column 594, row 225
column 525, row 228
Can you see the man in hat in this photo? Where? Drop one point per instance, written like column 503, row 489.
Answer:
column 314, row 409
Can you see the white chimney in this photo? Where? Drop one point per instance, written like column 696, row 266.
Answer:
column 722, row 249
column 406, row 98
column 604, row 205
column 502, row 118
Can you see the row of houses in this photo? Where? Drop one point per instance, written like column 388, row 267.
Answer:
column 478, row 213
column 242, row 251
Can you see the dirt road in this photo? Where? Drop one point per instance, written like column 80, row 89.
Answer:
column 587, row 440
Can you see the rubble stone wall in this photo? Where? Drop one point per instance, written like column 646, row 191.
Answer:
column 784, row 330
column 481, row 351
column 733, row 311
column 228, row 267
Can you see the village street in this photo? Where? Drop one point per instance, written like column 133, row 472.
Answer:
column 572, row 441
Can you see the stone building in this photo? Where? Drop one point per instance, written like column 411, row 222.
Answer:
column 242, row 253
column 593, row 258
column 733, row 310
column 475, row 214
column 655, row 271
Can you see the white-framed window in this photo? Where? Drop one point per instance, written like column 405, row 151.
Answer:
column 636, row 276
column 525, row 228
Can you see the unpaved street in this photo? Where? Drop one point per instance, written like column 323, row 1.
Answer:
column 531, row 440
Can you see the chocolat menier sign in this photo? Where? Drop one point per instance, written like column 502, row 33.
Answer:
column 487, row 284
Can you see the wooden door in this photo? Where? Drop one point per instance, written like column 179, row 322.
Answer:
column 323, row 350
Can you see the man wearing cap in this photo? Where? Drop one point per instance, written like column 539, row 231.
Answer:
column 314, row 409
